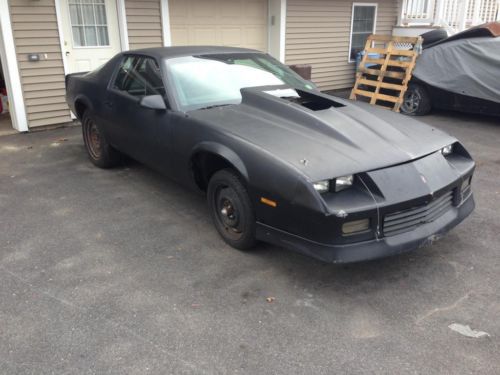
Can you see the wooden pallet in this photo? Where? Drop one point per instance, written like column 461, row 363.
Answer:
column 386, row 83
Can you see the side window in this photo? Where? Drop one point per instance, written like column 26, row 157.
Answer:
column 139, row 76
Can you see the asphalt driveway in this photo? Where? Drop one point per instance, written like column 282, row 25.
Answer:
column 121, row 271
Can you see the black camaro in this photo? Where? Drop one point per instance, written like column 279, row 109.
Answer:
column 279, row 161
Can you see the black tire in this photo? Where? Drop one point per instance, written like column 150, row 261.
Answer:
column 231, row 209
column 99, row 150
column 416, row 101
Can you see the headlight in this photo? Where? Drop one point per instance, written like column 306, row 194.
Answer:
column 343, row 182
column 322, row 186
column 447, row 150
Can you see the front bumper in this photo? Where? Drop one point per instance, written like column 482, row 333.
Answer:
column 422, row 236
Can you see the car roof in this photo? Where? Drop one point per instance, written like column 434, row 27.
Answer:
column 180, row 51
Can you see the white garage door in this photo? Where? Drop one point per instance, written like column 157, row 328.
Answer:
column 236, row 23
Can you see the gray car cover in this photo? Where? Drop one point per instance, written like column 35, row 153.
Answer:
column 466, row 66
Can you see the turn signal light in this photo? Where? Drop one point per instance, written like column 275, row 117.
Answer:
column 268, row 202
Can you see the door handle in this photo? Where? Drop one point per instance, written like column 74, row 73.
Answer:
column 108, row 103
column 67, row 53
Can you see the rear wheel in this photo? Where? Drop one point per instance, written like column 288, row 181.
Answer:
column 231, row 209
column 416, row 101
column 99, row 150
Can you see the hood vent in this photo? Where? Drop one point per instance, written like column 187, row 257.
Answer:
column 313, row 102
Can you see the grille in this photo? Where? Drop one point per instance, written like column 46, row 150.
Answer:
column 407, row 220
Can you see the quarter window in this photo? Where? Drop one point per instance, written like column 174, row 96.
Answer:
column 363, row 25
column 88, row 23
column 139, row 76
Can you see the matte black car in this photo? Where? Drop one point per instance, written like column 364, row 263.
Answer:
column 279, row 161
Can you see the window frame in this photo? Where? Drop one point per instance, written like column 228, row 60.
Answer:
column 69, row 3
column 354, row 5
column 114, row 76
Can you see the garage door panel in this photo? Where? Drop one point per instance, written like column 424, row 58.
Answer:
column 203, row 36
column 231, row 37
column 230, row 9
column 178, row 8
column 256, row 12
column 180, row 35
column 204, row 11
column 241, row 23
column 254, row 36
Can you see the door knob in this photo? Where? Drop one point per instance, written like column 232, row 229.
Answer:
column 67, row 53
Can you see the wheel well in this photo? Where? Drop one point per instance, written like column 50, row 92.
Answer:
column 80, row 108
column 205, row 164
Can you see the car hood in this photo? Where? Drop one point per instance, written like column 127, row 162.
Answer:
column 349, row 137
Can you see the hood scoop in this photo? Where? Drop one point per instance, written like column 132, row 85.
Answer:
column 296, row 106
column 312, row 101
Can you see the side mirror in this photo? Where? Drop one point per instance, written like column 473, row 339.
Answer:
column 155, row 102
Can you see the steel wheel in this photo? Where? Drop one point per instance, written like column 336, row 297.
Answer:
column 228, row 211
column 99, row 150
column 231, row 209
column 92, row 138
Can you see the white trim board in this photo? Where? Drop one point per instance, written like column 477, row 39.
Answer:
column 283, row 31
column 165, row 24
column 61, row 36
column 58, row 7
column 122, row 24
column 11, row 70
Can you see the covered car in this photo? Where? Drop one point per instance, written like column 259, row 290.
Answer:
column 459, row 73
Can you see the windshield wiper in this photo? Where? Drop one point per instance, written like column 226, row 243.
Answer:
column 214, row 106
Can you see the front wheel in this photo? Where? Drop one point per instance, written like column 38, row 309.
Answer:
column 416, row 101
column 99, row 150
column 231, row 209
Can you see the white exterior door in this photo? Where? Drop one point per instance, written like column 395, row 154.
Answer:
column 91, row 33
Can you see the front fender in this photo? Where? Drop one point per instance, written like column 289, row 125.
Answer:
column 224, row 152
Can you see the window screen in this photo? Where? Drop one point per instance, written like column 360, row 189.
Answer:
column 139, row 76
column 88, row 23
column 363, row 25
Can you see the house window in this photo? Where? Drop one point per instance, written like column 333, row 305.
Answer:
column 88, row 23
column 364, row 18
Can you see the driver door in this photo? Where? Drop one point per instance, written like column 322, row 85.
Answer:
column 139, row 132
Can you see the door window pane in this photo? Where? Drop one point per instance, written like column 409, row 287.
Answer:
column 89, row 24
column 78, row 36
column 102, row 34
column 139, row 76
column 363, row 25
column 75, row 15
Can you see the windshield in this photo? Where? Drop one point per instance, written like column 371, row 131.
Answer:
column 212, row 80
